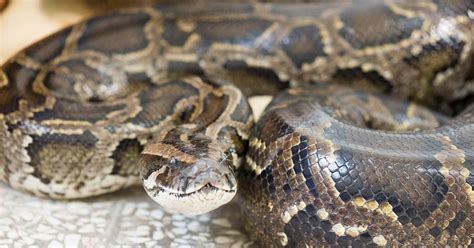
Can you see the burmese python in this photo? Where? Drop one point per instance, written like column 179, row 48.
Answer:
column 147, row 90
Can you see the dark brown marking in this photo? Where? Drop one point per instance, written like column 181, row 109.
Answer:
column 63, row 83
column 171, row 174
column 158, row 102
column 169, row 151
column 126, row 156
column 353, row 176
column 272, row 127
column 213, row 107
column 19, row 87
column 386, row 27
column 306, row 223
column 195, row 145
column 364, row 80
column 68, row 110
column 455, row 7
column 173, row 35
column 303, row 45
column 47, row 150
column 242, row 31
column 242, row 112
column 436, row 57
column 179, row 68
column 49, row 48
column 115, row 33
column 300, row 156
column 253, row 80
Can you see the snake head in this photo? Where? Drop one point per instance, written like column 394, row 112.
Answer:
column 189, row 176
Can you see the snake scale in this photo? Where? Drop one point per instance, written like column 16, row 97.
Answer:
column 160, row 92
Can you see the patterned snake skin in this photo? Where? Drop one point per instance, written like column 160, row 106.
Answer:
column 156, row 91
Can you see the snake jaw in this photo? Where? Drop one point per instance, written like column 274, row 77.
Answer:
column 192, row 189
column 189, row 201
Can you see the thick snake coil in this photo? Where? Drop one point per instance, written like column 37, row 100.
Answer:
column 156, row 90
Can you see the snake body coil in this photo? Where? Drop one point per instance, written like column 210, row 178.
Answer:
column 155, row 91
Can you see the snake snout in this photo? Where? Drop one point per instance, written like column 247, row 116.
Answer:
column 190, row 189
column 220, row 178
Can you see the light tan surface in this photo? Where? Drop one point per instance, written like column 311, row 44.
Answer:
column 25, row 21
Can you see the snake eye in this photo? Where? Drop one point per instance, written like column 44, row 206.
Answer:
column 173, row 161
column 187, row 113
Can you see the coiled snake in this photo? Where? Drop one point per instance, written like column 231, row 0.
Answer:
column 155, row 91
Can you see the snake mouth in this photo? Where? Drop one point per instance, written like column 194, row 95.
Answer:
column 207, row 188
column 200, row 201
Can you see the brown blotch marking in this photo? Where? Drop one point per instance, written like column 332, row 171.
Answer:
column 371, row 81
column 51, row 166
column 115, row 33
column 242, row 111
column 386, row 27
column 62, row 80
column 272, row 127
column 213, row 107
column 231, row 98
column 173, row 34
column 76, row 111
column 63, row 158
column 48, row 48
column 160, row 102
column 126, row 157
column 436, row 57
column 19, row 87
column 169, row 152
column 238, row 31
column 195, row 144
column 303, row 45
column 28, row 62
column 454, row 7
column 9, row 99
column 177, row 68
column 417, row 193
column 138, row 77
column 253, row 80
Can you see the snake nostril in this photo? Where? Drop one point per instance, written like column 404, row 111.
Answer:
column 186, row 184
column 95, row 99
column 229, row 181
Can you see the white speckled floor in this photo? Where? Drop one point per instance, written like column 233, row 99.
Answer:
column 125, row 218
